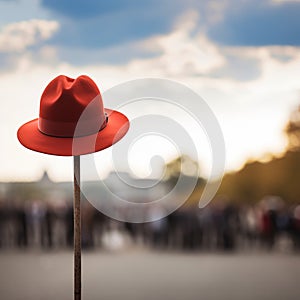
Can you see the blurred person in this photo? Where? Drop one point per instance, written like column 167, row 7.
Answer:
column 2, row 222
column 47, row 228
column 69, row 224
column 8, row 224
column 99, row 228
column 36, row 211
column 174, row 229
column 296, row 227
column 249, row 225
column 191, row 230
column 268, row 217
column 137, row 231
column 218, row 220
column 113, row 239
column 21, row 226
column 157, row 229
column 230, row 226
column 284, row 232
column 206, row 227
column 87, row 224
column 57, row 220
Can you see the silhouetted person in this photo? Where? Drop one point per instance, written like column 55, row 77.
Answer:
column 87, row 225
column 229, row 227
column 2, row 224
column 47, row 229
column 69, row 220
column 21, row 227
column 296, row 227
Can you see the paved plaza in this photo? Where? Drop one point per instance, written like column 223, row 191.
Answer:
column 146, row 275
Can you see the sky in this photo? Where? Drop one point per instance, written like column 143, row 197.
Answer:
column 241, row 56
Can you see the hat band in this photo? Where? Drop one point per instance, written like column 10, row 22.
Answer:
column 71, row 129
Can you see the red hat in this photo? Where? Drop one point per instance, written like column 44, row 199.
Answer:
column 72, row 120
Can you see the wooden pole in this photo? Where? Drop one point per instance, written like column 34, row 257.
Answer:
column 77, row 230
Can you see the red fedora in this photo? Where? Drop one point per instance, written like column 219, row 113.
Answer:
column 72, row 120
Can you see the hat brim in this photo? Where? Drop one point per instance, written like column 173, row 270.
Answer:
column 32, row 138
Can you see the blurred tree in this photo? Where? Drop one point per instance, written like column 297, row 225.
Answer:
column 181, row 165
column 278, row 176
column 188, row 170
column 292, row 130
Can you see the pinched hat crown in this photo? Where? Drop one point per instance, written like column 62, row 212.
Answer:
column 73, row 120
column 65, row 101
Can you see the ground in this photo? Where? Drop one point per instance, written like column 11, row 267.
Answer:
column 145, row 275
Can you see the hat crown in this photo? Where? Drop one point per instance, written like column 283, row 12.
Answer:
column 65, row 101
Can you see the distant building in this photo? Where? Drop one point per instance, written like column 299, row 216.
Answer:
column 120, row 184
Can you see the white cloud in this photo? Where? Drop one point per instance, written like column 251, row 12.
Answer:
column 182, row 51
column 284, row 1
column 216, row 10
column 17, row 37
column 251, row 112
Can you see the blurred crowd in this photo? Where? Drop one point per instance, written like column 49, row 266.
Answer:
column 220, row 226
